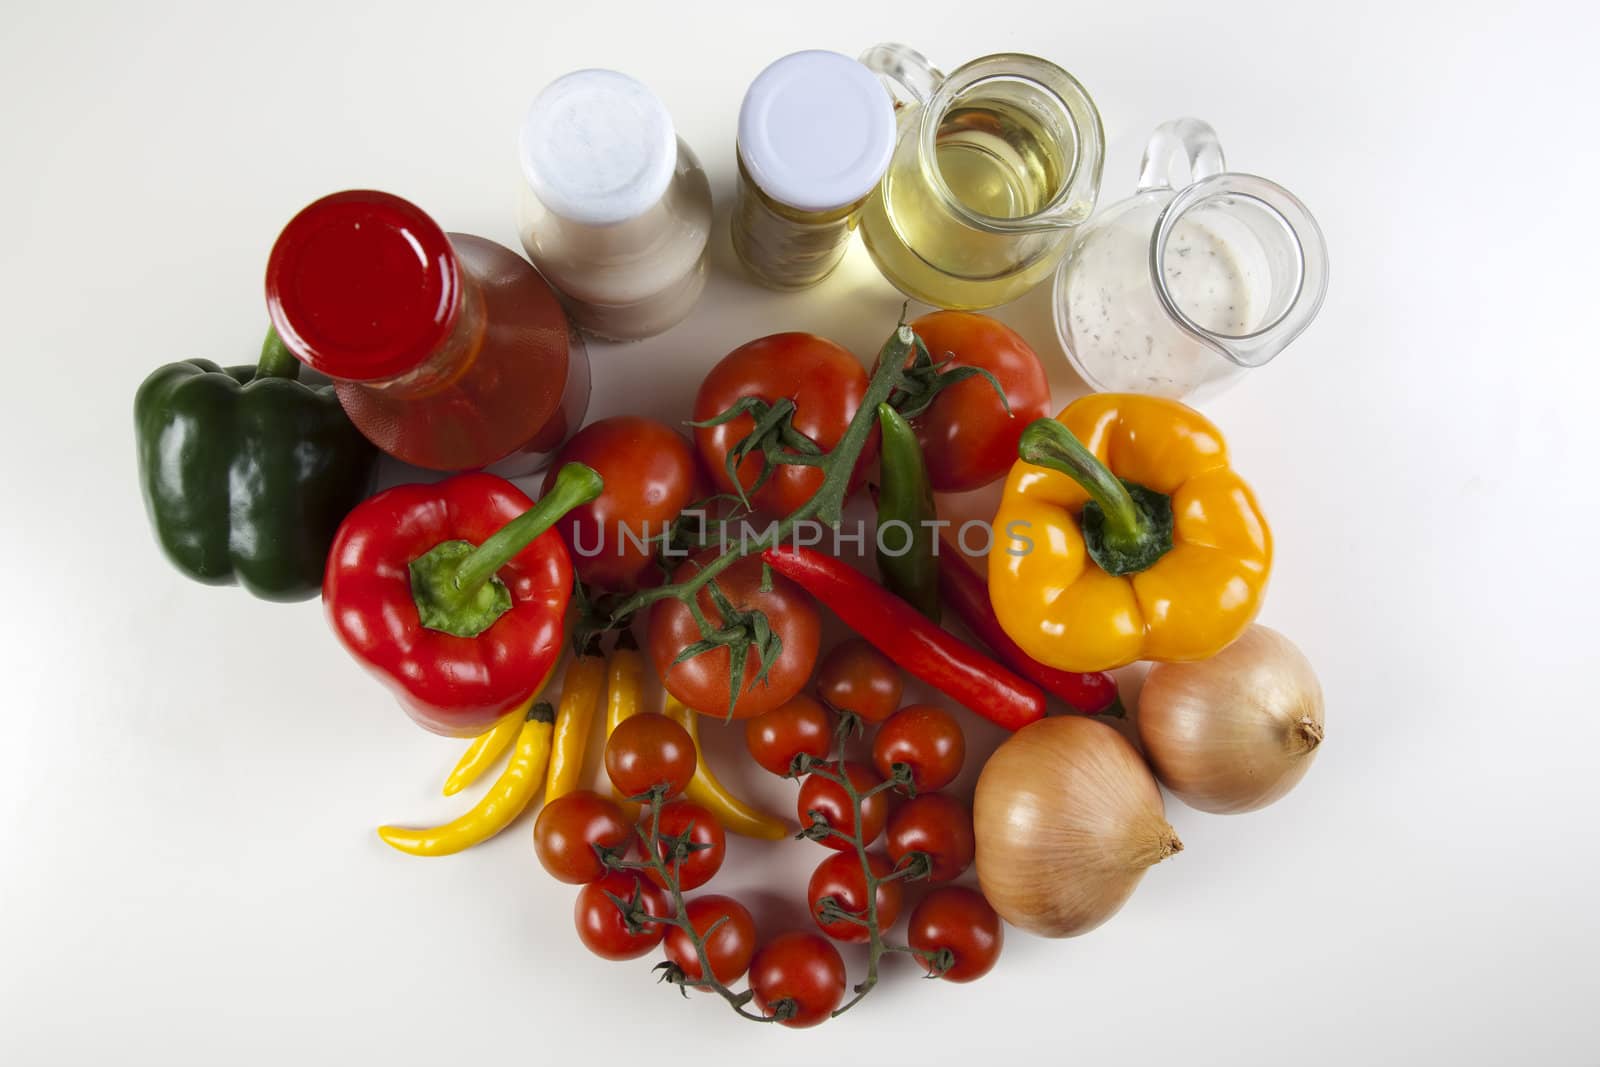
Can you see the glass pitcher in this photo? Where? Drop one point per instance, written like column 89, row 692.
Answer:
column 1177, row 291
column 993, row 166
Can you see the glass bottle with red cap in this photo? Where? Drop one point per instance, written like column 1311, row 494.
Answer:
column 448, row 351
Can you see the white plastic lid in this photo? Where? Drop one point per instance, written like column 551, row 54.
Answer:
column 598, row 147
column 816, row 130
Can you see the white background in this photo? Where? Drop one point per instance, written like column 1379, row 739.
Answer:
column 189, row 779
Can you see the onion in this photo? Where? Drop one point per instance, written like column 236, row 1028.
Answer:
column 1235, row 732
column 1067, row 819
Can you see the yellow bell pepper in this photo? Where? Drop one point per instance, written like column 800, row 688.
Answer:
column 1123, row 534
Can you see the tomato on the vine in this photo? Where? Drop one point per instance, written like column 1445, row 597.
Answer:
column 704, row 681
column 925, row 738
column 841, row 878
column 801, row 970
column 856, row 677
column 968, row 439
column 776, row 737
column 826, row 384
column 959, row 921
column 937, row 825
column 729, row 947
column 601, row 924
column 686, row 819
column 569, row 829
column 828, row 799
column 650, row 751
column 650, row 476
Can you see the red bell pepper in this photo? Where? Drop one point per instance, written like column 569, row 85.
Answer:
column 455, row 594
column 906, row 636
column 966, row 591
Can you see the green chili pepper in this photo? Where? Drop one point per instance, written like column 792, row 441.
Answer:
column 247, row 472
column 907, row 538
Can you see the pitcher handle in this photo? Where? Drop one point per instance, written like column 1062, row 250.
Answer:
column 904, row 71
column 1191, row 140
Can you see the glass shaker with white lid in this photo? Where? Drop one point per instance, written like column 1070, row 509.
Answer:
column 615, row 209
column 816, row 131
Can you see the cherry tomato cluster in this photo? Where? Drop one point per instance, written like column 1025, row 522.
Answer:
column 887, row 828
column 915, row 751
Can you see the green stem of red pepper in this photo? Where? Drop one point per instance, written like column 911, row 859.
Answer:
column 1126, row 527
column 907, row 562
column 454, row 584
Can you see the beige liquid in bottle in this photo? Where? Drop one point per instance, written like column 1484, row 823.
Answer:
column 999, row 161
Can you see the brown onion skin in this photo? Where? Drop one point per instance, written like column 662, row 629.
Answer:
column 1067, row 819
column 1236, row 732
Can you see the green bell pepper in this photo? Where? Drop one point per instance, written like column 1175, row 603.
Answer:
column 247, row 472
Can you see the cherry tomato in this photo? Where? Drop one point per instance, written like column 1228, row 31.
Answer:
column 839, row 876
column 776, row 737
column 685, row 818
column 729, row 947
column 956, row 919
column 828, row 798
column 600, row 922
column 801, row 971
column 938, row 825
column 647, row 751
column 826, row 384
column 650, row 474
column 925, row 738
column 702, row 681
column 967, row 437
column 856, row 677
column 571, row 826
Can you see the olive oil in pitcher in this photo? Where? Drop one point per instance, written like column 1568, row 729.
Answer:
column 989, row 176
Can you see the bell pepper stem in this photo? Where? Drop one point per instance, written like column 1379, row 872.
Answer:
column 1047, row 443
column 276, row 360
column 575, row 484
column 1126, row 527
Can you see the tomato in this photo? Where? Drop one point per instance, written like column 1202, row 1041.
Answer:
column 729, row 947
column 839, row 876
column 702, row 682
column 648, row 751
column 800, row 972
column 967, row 438
column 926, row 739
column 650, row 474
column 959, row 921
column 828, row 798
column 601, row 926
column 776, row 737
column 685, row 818
column 826, row 384
column 856, row 677
column 938, row 825
column 569, row 829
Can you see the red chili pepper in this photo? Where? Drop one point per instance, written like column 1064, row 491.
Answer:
column 966, row 591
column 455, row 594
column 906, row 636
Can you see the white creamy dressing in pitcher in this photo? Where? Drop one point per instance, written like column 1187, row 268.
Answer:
column 1123, row 337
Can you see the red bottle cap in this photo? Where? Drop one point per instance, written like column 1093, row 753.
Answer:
column 362, row 286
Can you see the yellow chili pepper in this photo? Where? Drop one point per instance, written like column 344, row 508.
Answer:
column 624, row 685
column 505, row 800
column 487, row 746
column 580, row 699
column 481, row 754
column 706, row 790
column 1123, row 534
